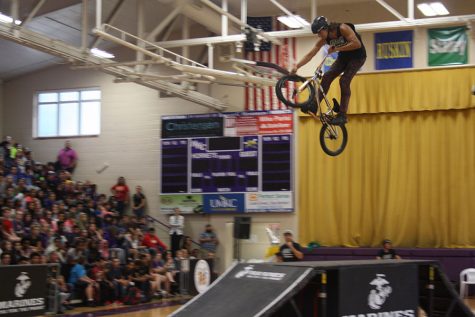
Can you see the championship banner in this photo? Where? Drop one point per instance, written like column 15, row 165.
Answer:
column 448, row 46
column 192, row 125
column 188, row 204
column 24, row 290
column 393, row 50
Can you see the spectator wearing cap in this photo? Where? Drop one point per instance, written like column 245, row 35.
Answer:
column 67, row 158
column 290, row 251
column 387, row 252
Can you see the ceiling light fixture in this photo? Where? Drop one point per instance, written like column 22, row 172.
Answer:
column 7, row 19
column 432, row 9
column 100, row 53
column 293, row 21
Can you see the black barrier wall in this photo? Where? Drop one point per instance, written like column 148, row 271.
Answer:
column 24, row 290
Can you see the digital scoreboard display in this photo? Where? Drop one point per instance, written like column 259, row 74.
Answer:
column 236, row 171
column 227, row 164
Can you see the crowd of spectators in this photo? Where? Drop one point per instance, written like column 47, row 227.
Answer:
column 103, row 254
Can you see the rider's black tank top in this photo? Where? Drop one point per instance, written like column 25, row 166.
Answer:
column 341, row 41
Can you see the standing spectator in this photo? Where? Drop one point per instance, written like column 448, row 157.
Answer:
column 67, row 158
column 121, row 195
column 177, row 224
column 290, row 251
column 139, row 201
column 153, row 243
column 387, row 252
column 208, row 240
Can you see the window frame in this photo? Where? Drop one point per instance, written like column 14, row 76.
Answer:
column 36, row 105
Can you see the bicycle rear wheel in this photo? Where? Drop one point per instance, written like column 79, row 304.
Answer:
column 333, row 139
column 286, row 90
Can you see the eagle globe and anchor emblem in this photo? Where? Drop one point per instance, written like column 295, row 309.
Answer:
column 377, row 296
column 23, row 284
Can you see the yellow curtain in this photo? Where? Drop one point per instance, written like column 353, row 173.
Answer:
column 433, row 89
column 406, row 175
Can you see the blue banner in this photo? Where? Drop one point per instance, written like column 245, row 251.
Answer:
column 393, row 50
column 223, row 203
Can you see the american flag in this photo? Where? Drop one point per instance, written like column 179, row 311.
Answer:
column 284, row 55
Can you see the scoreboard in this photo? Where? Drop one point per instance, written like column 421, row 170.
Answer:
column 249, row 164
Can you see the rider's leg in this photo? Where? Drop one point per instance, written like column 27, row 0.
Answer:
column 335, row 70
column 350, row 71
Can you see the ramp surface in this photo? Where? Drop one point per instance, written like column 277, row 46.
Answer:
column 248, row 290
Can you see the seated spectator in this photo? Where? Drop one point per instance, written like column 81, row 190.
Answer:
column 5, row 259
column 116, row 275
column 7, row 227
column 291, row 251
column 81, row 282
column 387, row 252
column 152, row 242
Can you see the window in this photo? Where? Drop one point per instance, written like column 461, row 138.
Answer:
column 68, row 113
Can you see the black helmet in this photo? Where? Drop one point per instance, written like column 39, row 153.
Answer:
column 319, row 24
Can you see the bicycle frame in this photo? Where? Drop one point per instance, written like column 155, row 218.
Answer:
column 326, row 116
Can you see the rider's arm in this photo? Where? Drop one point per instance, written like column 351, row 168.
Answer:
column 309, row 55
column 353, row 41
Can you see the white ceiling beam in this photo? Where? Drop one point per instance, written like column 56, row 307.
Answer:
column 313, row 9
column 239, row 22
column 72, row 54
column 110, row 20
column 98, row 13
column 391, row 9
column 224, row 18
column 244, row 11
column 410, row 9
column 33, row 12
column 84, row 25
column 378, row 26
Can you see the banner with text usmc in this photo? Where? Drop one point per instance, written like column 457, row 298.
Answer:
column 24, row 290
column 393, row 50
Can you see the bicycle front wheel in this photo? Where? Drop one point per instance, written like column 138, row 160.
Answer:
column 286, row 90
column 333, row 139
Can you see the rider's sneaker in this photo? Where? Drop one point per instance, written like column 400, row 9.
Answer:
column 340, row 119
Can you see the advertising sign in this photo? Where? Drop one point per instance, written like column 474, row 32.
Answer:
column 188, row 204
column 378, row 291
column 223, row 203
column 192, row 126
column 269, row 201
column 24, row 290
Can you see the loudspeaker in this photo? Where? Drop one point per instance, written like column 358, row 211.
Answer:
column 242, row 227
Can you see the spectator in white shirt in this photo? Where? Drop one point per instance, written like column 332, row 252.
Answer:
column 177, row 224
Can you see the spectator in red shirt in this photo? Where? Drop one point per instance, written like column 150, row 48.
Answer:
column 121, row 195
column 67, row 158
column 153, row 243
column 7, row 227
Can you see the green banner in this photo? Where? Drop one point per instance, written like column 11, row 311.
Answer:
column 448, row 46
column 188, row 204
